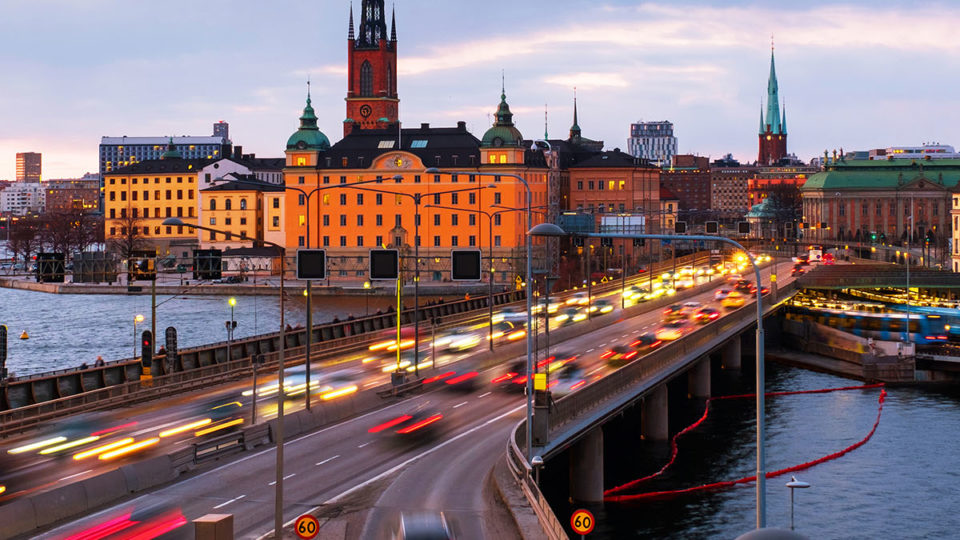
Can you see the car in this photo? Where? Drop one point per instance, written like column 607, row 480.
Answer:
column 721, row 294
column 635, row 293
column 705, row 315
column 579, row 299
column 797, row 270
column 828, row 259
column 744, row 286
column 646, row 342
column 619, row 355
column 671, row 331
column 600, row 307
column 734, row 277
column 674, row 312
column 733, row 300
column 567, row 381
column 508, row 331
column 571, row 315
column 514, row 378
column 421, row 421
column 423, row 526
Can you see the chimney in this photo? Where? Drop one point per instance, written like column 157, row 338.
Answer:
column 237, row 152
column 461, row 125
column 425, row 125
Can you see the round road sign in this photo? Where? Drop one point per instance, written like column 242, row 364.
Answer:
column 582, row 521
column 307, row 526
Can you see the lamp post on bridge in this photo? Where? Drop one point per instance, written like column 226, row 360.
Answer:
column 549, row 229
column 278, row 494
column 416, row 197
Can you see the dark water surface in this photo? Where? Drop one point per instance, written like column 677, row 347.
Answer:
column 903, row 483
column 68, row 329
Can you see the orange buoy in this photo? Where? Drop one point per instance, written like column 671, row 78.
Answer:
column 24, row 335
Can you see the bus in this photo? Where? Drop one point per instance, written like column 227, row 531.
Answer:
column 816, row 254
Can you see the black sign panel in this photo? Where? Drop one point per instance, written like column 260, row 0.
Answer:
column 466, row 265
column 311, row 264
column 384, row 264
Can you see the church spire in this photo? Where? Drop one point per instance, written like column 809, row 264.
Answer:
column 762, row 128
column 783, row 118
column 773, row 97
column 393, row 24
column 350, row 31
column 575, row 128
column 373, row 24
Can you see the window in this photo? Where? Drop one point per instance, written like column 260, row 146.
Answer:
column 473, row 240
column 243, row 221
column 436, row 219
column 326, row 241
column 301, row 242
column 863, row 209
column 301, row 220
column 276, row 221
column 326, row 199
column 454, row 220
column 343, row 199
column 133, row 195
column 454, row 241
column 156, row 195
column 359, row 199
column 169, row 212
column 436, row 241
column 228, row 221
column 123, row 195
column 472, row 198
column 360, row 221
column 453, row 178
column 243, row 204
column 496, row 219
column 397, row 220
column 590, row 184
column 579, row 184
column 842, row 209
column 301, row 199
column 326, row 220
column 454, row 198
column 301, row 179
column 379, row 240
column 496, row 198
column 416, row 179
column 366, row 79
column 379, row 199
column 397, row 241
column 600, row 185
column 436, row 179
column 213, row 236
column 113, row 214
column 379, row 222
column 359, row 241
column 343, row 220
column 343, row 241
column 472, row 219
column 879, row 209
column 213, row 221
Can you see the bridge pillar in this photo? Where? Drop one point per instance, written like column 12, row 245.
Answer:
column 731, row 354
column 654, row 423
column 586, row 468
column 698, row 379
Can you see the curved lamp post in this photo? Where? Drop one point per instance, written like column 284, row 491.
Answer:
column 550, row 230
column 278, row 502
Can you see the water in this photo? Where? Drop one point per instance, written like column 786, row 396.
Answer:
column 67, row 330
column 903, row 483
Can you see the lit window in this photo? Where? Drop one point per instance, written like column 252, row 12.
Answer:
column 302, row 220
column 301, row 161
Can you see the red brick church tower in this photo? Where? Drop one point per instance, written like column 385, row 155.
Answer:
column 372, row 100
column 773, row 128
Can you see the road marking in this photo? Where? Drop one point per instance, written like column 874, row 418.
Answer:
column 362, row 445
column 590, row 350
column 625, row 335
column 604, row 344
column 596, row 370
column 459, row 404
column 285, row 477
column 74, row 475
column 483, row 395
column 328, row 459
column 235, row 499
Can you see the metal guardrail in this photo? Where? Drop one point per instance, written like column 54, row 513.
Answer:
column 219, row 446
column 522, row 473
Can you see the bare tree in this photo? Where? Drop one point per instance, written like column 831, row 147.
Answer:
column 24, row 239
column 127, row 235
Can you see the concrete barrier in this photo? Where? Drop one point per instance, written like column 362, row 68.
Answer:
column 17, row 517
column 60, row 503
column 104, row 487
column 148, row 473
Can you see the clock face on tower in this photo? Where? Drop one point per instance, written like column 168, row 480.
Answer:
column 365, row 111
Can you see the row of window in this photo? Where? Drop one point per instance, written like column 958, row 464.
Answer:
column 454, row 178
column 398, row 220
column 864, row 209
column 454, row 241
column 229, row 221
column 169, row 180
column 228, row 204
column 146, row 231
column 156, row 195
column 602, row 185
column 378, row 199
column 167, row 211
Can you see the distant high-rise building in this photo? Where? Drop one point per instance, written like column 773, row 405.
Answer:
column 28, row 166
column 221, row 129
column 653, row 141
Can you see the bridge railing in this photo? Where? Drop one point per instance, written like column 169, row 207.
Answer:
column 522, row 474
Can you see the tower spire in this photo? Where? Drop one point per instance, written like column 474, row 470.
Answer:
column 762, row 130
column 783, row 118
column 350, row 31
column 393, row 23
column 773, row 97
column 575, row 128
column 545, row 136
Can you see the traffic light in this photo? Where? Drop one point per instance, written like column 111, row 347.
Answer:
column 146, row 351
column 883, row 238
column 465, row 265
column 311, row 264
column 873, row 237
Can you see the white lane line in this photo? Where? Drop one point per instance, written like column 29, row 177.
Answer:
column 590, row 350
column 362, row 445
column 328, row 459
column 285, row 477
column 74, row 475
column 625, row 335
column 459, row 404
column 484, row 395
column 596, row 370
column 604, row 344
column 235, row 499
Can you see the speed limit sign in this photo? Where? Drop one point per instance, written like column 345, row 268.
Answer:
column 582, row 522
column 306, row 526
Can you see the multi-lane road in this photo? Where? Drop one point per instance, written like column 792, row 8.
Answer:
column 353, row 479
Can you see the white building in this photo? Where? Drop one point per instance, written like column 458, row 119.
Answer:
column 21, row 199
column 653, row 141
column 924, row 151
column 269, row 170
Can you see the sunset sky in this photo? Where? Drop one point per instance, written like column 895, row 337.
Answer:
column 856, row 75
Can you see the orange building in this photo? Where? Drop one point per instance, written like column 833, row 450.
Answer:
column 242, row 208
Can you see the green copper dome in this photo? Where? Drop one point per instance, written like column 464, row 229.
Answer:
column 172, row 152
column 309, row 136
column 503, row 132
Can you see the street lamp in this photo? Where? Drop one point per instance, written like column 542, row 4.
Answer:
column 794, row 484
column 490, row 216
column 549, row 229
column 230, row 327
column 529, row 295
column 136, row 319
column 278, row 502
column 366, row 297
column 416, row 197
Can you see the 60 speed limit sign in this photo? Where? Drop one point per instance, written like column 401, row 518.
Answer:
column 306, row 526
column 582, row 522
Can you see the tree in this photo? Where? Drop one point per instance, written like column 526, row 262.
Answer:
column 128, row 234
column 24, row 239
column 786, row 202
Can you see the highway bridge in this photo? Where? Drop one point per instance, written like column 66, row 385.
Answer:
column 354, row 474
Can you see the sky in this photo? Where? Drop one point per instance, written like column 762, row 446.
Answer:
column 855, row 75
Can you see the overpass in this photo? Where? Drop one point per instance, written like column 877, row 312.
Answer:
column 871, row 276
